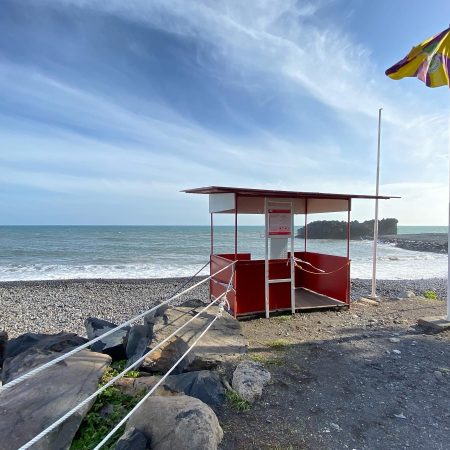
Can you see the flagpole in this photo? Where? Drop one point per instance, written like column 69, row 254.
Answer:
column 375, row 224
column 448, row 231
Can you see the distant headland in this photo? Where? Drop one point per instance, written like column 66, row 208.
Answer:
column 335, row 229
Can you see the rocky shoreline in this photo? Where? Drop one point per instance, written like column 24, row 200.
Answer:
column 63, row 305
column 424, row 242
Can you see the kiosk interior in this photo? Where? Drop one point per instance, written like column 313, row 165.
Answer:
column 285, row 279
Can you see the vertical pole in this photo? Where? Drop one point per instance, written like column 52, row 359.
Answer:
column 266, row 260
column 212, row 235
column 211, row 270
column 292, row 261
column 235, row 227
column 375, row 224
column 306, row 222
column 448, row 260
column 348, row 228
column 348, row 250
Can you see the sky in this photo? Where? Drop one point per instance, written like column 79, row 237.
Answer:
column 108, row 109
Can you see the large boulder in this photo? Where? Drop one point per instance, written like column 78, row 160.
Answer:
column 178, row 422
column 204, row 385
column 114, row 344
column 165, row 356
column 21, row 352
column 132, row 439
column 224, row 340
column 139, row 338
column 31, row 406
column 249, row 379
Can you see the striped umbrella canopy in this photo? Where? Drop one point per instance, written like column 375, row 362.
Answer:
column 428, row 61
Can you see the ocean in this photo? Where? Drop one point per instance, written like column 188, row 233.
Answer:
column 70, row 252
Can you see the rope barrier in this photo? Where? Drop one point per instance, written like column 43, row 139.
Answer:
column 113, row 380
column 127, row 416
column 321, row 271
column 39, row 369
column 190, row 279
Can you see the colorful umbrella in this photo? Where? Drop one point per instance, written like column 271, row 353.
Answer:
column 430, row 63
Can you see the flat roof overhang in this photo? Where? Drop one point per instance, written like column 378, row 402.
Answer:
column 224, row 199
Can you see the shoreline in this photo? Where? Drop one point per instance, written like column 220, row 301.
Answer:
column 423, row 242
column 52, row 306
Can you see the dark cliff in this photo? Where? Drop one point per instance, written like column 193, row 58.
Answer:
column 334, row 229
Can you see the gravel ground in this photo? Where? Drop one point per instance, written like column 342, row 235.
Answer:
column 54, row 306
column 62, row 305
column 366, row 379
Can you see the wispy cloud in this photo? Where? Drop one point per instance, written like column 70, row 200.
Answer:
column 277, row 96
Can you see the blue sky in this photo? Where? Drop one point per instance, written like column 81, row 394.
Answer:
column 109, row 109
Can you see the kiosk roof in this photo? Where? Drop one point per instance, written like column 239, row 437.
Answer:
column 247, row 192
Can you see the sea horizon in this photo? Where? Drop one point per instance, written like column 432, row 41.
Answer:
column 58, row 252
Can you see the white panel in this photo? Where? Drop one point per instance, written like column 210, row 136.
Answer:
column 278, row 248
column 221, row 203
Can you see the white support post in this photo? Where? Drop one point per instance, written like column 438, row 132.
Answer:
column 266, row 260
column 448, row 241
column 292, row 261
column 375, row 224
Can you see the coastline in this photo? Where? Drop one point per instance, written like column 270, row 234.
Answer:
column 51, row 306
column 423, row 242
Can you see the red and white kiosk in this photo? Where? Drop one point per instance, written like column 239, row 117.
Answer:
column 285, row 279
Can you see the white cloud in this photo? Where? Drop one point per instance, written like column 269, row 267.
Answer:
column 284, row 42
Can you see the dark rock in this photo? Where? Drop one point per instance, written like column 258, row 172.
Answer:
column 204, row 385
column 193, row 303
column 178, row 422
column 45, row 342
column 162, row 359
column 3, row 343
column 132, row 439
column 113, row 345
column 149, row 318
column 29, row 407
column 249, row 379
column 21, row 353
column 139, row 338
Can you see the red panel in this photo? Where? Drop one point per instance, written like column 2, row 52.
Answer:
column 250, row 286
column 219, row 283
column 249, row 295
column 335, row 285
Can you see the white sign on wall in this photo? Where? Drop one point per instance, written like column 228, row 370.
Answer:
column 279, row 222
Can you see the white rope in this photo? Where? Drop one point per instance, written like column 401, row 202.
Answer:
column 306, row 262
column 111, row 433
column 112, row 381
column 39, row 369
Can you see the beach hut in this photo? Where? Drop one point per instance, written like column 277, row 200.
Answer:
column 285, row 280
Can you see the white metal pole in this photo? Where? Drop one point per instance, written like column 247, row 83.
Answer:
column 448, row 247
column 292, row 260
column 448, row 260
column 375, row 225
column 266, row 260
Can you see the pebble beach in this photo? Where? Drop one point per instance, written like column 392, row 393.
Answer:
column 63, row 305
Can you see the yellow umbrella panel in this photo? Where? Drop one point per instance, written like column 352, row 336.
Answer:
column 429, row 62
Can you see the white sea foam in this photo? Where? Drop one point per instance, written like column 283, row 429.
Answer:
column 51, row 253
column 393, row 264
column 91, row 271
